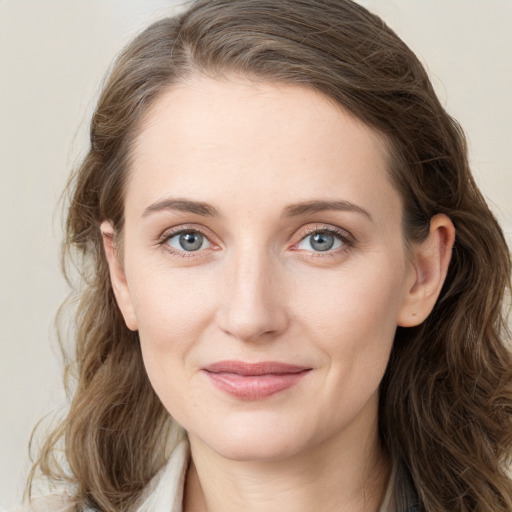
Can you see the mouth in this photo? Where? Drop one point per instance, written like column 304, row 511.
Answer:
column 254, row 381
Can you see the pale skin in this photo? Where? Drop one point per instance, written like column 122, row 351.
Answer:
column 257, row 287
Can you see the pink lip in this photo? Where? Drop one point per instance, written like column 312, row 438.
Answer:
column 254, row 381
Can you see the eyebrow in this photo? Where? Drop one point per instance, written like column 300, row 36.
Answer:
column 308, row 207
column 291, row 210
column 182, row 205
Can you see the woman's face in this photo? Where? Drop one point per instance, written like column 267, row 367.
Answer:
column 264, row 264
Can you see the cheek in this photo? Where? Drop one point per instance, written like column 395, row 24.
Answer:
column 173, row 310
column 354, row 318
column 170, row 303
column 172, row 307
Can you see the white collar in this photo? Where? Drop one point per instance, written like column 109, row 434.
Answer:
column 164, row 493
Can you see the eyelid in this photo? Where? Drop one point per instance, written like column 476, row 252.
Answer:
column 168, row 232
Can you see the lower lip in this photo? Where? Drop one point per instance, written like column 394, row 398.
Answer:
column 254, row 387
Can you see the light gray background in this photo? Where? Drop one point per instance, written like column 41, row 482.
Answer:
column 53, row 55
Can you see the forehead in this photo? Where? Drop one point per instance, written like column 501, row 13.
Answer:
column 237, row 142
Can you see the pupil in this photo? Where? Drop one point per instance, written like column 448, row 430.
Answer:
column 191, row 241
column 322, row 241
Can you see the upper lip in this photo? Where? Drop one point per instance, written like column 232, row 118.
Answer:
column 254, row 369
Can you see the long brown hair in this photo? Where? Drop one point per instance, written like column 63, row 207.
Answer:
column 446, row 399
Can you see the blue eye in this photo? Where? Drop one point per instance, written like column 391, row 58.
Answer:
column 321, row 241
column 189, row 241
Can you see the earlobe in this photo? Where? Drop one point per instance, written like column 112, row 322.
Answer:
column 430, row 266
column 117, row 276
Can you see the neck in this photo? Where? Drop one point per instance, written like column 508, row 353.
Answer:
column 338, row 474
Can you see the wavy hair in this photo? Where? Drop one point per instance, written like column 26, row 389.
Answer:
column 445, row 413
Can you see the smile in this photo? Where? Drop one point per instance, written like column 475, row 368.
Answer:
column 254, row 381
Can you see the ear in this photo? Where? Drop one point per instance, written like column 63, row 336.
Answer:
column 431, row 259
column 117, row 276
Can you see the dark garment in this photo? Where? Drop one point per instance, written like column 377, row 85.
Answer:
column 407, row 497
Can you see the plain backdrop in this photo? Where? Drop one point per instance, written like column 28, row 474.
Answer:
column 53, row 55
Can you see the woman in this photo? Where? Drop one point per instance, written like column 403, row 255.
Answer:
column 284, row 251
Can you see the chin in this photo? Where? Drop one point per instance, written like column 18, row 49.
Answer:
column 245, row 450
column 255, row 441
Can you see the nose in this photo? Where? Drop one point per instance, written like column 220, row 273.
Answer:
column 254, row 305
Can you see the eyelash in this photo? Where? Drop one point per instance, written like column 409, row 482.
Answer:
column 346, row 238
